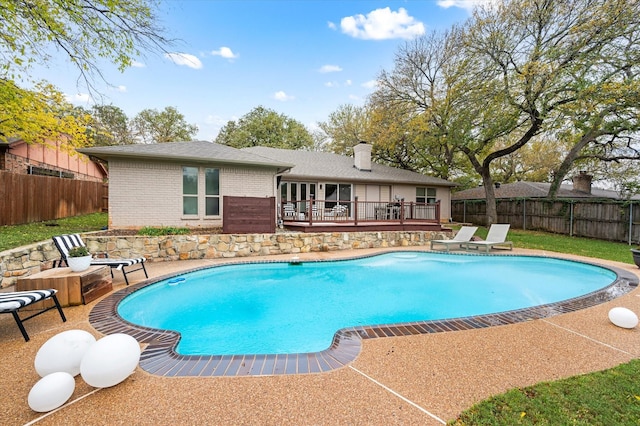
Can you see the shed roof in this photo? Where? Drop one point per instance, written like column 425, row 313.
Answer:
column 334, row 167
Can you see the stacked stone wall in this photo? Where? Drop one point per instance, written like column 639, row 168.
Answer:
column 40, row 256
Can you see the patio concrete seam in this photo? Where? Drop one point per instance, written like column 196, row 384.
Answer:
column 47, row 414
column 589, row 338
column 427, row 412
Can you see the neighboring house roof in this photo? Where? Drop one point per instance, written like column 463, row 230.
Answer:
column 535, row 190
column 194, row 151
column 333, row 167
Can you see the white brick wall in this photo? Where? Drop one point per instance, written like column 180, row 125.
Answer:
column 150, row 194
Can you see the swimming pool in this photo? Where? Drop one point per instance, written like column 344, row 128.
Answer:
column 275, row 308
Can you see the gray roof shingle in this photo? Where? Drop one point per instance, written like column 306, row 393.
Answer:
column 197, row 151
column 535, row 190
column 334, row 167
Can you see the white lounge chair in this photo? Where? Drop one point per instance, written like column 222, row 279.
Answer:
column 496, row 237
column 463, row 235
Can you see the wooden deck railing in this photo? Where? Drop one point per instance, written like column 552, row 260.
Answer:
column 355, row 212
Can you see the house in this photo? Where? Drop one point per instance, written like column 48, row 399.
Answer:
column 184, row 183
column 48, row 159
column 580, row 189
column 181, row 184
column 338, row 179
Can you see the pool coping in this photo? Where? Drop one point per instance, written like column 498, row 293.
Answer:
column 159, row 356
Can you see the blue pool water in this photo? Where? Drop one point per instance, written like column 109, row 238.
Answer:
column 264, row 308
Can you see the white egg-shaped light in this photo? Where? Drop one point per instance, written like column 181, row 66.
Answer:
column 623, row 317
column 63, row 352
column 51, row 391
column 110, row 360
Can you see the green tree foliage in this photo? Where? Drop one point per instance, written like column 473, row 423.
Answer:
column 84, row 31
column 344, row 129
column 110, row 126
column 522, row 71
column 265, row 127
column 168, row 125
column 37, row 115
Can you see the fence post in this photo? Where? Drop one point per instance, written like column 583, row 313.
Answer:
column 630, row 223
column 571, row 218
column 524, row 214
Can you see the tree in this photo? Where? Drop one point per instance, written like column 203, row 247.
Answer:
column 153, row 126
column 520, row 70
column 37, row 115
column 110, row 126
column 344, row 129
column 265, row 127
column 84, row 31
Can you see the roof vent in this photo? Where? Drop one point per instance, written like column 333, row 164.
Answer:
column 362, row 157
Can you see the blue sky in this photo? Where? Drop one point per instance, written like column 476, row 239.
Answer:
column 300, row 58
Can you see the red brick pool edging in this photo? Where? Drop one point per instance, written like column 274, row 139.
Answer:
column 160, row 358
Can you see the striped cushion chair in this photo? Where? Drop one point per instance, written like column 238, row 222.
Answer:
column 64, row 243
column 11, row 302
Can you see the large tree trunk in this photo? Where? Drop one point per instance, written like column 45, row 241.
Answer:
column 490, row 195
column 567, row 162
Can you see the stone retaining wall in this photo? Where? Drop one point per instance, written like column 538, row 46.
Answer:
column 40, row 256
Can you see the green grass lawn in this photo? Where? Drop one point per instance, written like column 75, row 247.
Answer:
column 610, row 397
column 22, row 235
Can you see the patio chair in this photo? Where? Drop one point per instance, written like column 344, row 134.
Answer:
column 12, row 302
column 463, row 235
column 496, row 237
column 289, row 210
column 65, row 242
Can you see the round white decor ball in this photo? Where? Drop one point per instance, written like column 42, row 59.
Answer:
column 51, row 391
column 110, row 360
column 623, row 317
column 63, row 352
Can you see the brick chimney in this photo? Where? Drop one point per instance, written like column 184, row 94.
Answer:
column 362, row 157
column 582, row 182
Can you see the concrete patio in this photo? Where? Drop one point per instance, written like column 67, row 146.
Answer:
column 425, row 379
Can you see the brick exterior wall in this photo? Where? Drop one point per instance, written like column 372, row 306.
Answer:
column 150, row 193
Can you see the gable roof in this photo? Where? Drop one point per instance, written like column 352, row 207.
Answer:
column 193, row 151
column 525, row 189
column 333, row 167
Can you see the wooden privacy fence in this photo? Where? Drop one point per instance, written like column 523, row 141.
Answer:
column 28, row 198
column 248, row 215
column 602, row 219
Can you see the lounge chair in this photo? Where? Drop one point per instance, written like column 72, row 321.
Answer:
column 65, row 242
column 463, row 235
column 496, row 237
column 11, row 302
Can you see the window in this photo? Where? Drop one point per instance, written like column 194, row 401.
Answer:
column 212, row 192
column 190, row 190
column 425, row 195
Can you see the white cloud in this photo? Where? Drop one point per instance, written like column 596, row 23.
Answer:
column 348, row 83
column 331, row 25
column 185, row 59
column 137, row 64
column 465, row 4
column 225, row 52
column 330, row 84
column 282, row 96
column 79, row 98
column 354, row 97
column 215, row 120
column 329, row 68
column 382, row 24
column 121, row 89
column 371, row 84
